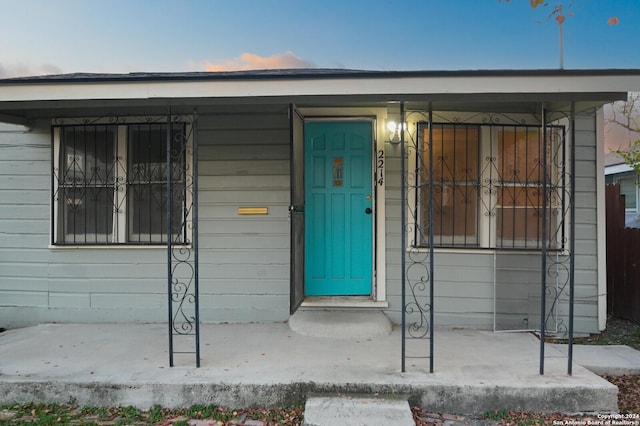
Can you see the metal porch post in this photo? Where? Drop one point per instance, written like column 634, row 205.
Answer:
column 572, row 233
column 558, row 239
column 417, row 263
column 431, row 240
column 182, row 240
column 169, row 196
column 403, row 238
column 543, row 266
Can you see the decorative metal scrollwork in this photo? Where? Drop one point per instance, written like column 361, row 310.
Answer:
column 558, row 253
column 418, row 306
column 417, row 261
column 517, row 182
column 121, row 180
column 182, row 239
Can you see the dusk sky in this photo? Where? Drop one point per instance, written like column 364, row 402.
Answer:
column 121, row 36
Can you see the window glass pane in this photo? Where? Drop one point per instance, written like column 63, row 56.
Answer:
column 455, row 184
column 454, row 212
column 147, row 153
column 455, row 152
column 148, row 207
column 146, row 183
column 629, row 189
column 520, row 178
column 87, row 214
column 88, row 154
column 520, row 154
column 86, row 184
column 518, row 216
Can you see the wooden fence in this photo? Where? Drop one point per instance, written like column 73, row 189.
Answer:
column 623, row 259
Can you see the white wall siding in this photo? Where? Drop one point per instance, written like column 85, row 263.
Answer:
column 24, row 224
column 586, row 247
column 244, row 260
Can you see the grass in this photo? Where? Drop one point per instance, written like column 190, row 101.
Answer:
column 632, row 340
column 53, row 414
column 497, row 415
column 618, row 332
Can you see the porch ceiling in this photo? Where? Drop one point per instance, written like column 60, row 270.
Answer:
column 28, row 112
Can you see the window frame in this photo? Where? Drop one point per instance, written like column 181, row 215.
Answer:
column 629, row 177
column 486, row 224
column 121, row 216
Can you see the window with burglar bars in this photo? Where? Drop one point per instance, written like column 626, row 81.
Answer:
column 489, row 187
column 110, row 183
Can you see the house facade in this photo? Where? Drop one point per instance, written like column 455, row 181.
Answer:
column 621, row 120
column 469, row 198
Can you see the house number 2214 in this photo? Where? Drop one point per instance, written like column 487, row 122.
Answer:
column 380, row 167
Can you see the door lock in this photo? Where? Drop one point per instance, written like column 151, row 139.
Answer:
column 368, row 210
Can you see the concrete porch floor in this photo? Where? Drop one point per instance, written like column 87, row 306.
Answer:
column 269, row 365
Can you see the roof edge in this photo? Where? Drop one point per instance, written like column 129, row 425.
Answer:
column 309, row 73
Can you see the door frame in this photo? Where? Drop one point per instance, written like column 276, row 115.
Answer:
column 377, row 117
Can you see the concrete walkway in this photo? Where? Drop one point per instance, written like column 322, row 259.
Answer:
column 269, row 365
column 615, row 360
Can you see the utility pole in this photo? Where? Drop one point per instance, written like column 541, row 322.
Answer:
column 561, row 45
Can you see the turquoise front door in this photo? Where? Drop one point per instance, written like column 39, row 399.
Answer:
column 338, row 208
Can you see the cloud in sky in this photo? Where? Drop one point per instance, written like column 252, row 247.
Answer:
column 251, row 61
column 24, row 70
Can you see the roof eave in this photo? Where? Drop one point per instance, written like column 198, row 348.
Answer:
column 309, row 74
column 403, row 85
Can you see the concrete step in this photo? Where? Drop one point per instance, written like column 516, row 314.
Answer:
column 340, row 324
column 357, row 411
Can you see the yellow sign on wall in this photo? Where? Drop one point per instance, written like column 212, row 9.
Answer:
column 253, row 210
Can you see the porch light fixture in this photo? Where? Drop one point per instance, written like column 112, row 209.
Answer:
column 394, row 129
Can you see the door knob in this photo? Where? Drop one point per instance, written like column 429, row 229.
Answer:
column 368, row 210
